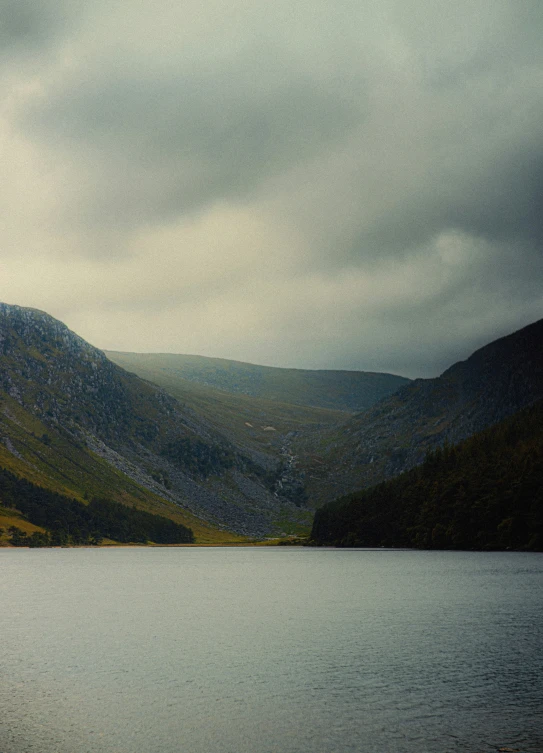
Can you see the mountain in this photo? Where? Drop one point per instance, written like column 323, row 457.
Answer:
column 350, row 391
column 76, row 423
column 394, row 435
column 216, row 461
column 484, row 493
column 255, row 423
column 260, row 408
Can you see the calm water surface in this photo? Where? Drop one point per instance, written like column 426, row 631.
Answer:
column 269, row 650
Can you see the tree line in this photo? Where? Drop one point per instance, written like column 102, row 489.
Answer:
column 484, row 493
column 68, row 521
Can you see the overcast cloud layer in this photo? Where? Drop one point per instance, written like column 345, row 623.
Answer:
column 348, row 184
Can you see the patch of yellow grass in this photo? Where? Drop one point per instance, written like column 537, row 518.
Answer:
column 10, row 518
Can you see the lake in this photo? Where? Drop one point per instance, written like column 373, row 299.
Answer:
column 269, row 650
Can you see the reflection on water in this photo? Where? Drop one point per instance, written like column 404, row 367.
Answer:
column 270, row 650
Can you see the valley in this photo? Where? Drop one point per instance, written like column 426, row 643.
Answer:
column 233, row 451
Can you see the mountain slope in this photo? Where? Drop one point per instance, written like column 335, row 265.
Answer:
column 260, row 408
column 485, row 493
column 53, row 460
column 68, row 520
column 395, row 435
column 335, row 390
column 70, row 418
column 255, row 423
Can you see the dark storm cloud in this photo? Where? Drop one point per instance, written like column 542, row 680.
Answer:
column 361, row 180
column 498, row 199
column 455, row 141
column 28, row 27
column 24, row 24
column 191, row 138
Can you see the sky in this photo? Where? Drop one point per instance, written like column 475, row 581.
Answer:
column 336, row 184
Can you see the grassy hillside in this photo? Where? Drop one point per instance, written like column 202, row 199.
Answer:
column 70, row 521
column 10, row 517
column 349, row 391
column 52, row 460
column 485, row 493
column 249, row 421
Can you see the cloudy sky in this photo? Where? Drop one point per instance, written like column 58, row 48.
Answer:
column 336, row 184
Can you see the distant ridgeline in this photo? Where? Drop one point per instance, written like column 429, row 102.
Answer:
column 68, row 521
column 484, row 493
